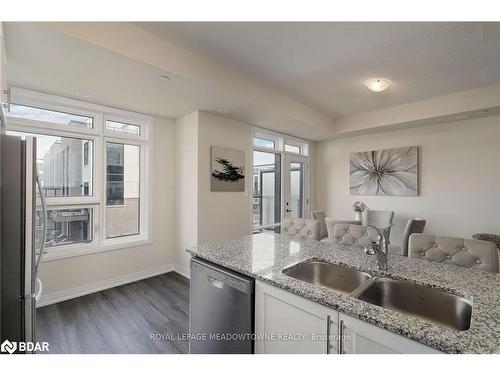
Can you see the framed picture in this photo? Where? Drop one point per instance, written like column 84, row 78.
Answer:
column 227, row 169
column 385, row 172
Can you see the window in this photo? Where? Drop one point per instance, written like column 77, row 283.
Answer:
column 61, row 166
column 123, row 128
column 122, row 190
column 53, row 117
column 292, row 148
column 296, row 189
column 259, row 142
column 68, row 226
column 92, row 172
column 266, row 188
column 279, row 179
column 114, row 174
column 86, row 153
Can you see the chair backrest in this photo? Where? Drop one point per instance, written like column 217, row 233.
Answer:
column 330, row 226
column 353, row 235
column 300, row 228
column 415, row 225
column 320, row 216
column 481, row 255
column 381, row 220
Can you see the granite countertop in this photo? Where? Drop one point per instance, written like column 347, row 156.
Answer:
column 264, row 256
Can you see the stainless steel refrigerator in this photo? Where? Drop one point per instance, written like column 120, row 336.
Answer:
column 23, row 231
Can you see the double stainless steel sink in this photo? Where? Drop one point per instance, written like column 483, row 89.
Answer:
column 439, row 307
column 329, row 275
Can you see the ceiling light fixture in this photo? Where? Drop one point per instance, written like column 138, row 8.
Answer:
column 377, row 84
column 222, row 111
column 164, row 76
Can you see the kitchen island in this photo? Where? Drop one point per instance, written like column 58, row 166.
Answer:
column 264, row 257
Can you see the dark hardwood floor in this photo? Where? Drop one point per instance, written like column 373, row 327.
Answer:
column 121, row 319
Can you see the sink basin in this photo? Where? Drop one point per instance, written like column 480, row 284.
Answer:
column 436, row 306
column 329, row 275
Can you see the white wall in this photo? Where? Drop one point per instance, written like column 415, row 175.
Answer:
column 459, row 174
column 203, row 215
column 186, row 206
column 222, row 215
column 77, row 272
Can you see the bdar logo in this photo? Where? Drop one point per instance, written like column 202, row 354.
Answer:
column 9, row 347
column 24, row 347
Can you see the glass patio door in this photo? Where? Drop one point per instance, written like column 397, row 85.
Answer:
column 266, row 200
column 295, row 198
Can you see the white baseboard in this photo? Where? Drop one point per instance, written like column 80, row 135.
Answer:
column 63, row 295
column 182, row 271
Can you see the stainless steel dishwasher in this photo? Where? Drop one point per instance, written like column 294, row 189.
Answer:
column 221, row 310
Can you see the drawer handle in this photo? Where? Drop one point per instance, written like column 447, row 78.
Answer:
column 341, row 337
column 328, row 324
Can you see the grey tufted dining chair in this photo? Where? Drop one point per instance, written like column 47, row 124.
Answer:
column 330, row 226
column 326, row 225
column 321, row 217
column 300, row 229
column 481, row 255
column 381, row 220
column 353, row 235
column 415, row 225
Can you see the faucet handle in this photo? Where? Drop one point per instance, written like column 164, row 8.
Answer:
column 370, row 249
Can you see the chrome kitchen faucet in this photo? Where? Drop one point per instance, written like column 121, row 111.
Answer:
column 379, row 249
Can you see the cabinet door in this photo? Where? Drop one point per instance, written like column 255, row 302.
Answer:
column 289, row 324
column 364, row 338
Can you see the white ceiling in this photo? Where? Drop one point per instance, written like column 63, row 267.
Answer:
column 322, row 65
column 325, row 64
column 42, row 59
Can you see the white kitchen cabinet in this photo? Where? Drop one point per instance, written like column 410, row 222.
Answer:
column 363, row 338
column 288, row 324
column 305, row 325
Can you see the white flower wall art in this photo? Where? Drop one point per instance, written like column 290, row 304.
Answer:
column 385, row 172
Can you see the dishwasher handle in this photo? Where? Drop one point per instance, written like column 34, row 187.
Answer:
column 220, row 277
column 215, row 283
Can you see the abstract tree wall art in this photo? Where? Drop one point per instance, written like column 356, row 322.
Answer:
column 385, row 172
column 227, row 169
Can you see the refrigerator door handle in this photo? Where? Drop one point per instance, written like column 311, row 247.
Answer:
column 44, row 222
column 38, row 289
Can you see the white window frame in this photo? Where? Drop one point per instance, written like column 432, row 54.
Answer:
column 304, row 147
column 268, row 150
column 144, row 171
column 280, row 140
column 99, row 137
column 293, row 157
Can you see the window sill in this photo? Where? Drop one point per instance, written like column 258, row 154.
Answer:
column 77, row 251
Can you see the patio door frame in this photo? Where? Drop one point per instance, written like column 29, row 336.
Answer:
column 279, row 143
column 286, row 184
